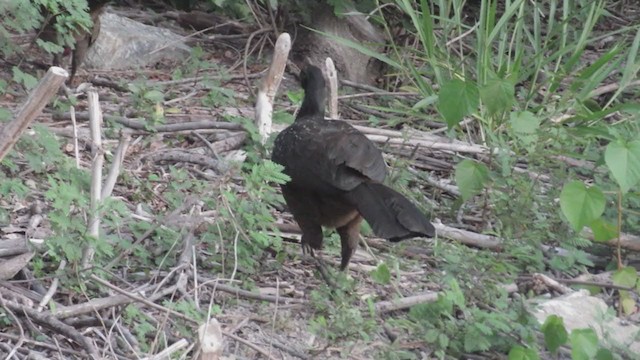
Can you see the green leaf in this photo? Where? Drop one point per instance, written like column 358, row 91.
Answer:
column 525, row 125
column 623, row 160
column 427, row 101
column 457, row 99
column 28, row 80
column 581, row 205
column 584, row 344
column 471, row 177
column 521, row 353
column 627, row 302
column 381, row 274
column 498, row 95
column 5, row 115
column 555, row 334
column 604, row 354
column 524, row 122
column 603, row 231
column 443, row 340
column 154, row 96
column 627, row 277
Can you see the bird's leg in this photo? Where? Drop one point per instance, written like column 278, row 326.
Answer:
column 349, row 238
column 311, row 237
column 311, row 241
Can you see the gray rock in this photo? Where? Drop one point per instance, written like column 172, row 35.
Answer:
column 579, row 310
column 127, row 44
column 353, row 26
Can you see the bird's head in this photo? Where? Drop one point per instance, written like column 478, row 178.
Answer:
column 312, row 81
column 312, row 78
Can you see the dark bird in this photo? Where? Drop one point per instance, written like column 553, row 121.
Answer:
column 83, row 39
column 336, row 178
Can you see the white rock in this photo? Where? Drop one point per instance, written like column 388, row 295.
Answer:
column 579, row 310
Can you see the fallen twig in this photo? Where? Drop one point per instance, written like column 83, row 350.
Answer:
column 176, row 155
column 405, row 302
column 142, row 300
column 48, row 320
column 215, row 284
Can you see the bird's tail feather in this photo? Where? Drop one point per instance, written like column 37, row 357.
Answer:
column 391, row 215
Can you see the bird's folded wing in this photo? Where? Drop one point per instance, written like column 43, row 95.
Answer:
column 336, row 154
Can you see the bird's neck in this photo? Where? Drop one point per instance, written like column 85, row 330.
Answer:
column 312, row 105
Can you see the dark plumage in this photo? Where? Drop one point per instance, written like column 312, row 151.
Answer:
column 336, row 178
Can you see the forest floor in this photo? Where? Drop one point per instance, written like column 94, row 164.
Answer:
column 179, row 250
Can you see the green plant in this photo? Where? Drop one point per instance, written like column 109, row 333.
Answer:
column 514, row 80
column 149, row 101
column 453, row 326
column 339, row 315
column 248, row 216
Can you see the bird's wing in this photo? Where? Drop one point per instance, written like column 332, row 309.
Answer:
column 328, row 155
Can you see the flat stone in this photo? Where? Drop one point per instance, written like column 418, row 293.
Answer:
column 579, row 310
column 127, row 44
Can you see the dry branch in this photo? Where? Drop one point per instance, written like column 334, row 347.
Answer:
column 37, row 100
column 251, row 295
column 467, row 237
column 145, row 301
column 270, row 84
column 141, row 125
column 184, row 156
column 332, row 76
column 116, row 165
column 193, row 125
column 51, row 322
column 97, row 160
column 406, row 302
column 13, row 246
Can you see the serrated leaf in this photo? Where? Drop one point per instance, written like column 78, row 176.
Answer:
column 474, row 340
column 604, row 354
column 443, row 340
column 623, row 160
column 28, row 80
column 581, row 205
column 381, row 274
column 555, row 334
column 603, row 231
column 521, row 353
column 524, row 125
column 626, row 277
column 627, row 302
column 524, row 122
column 498, row 95
column 456, row 100
column 471, row 177
column 584, row 344
column 154, row 96
column 431, row 335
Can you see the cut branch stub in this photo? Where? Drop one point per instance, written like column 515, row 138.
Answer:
column 270, row 84
column 37, row 100
column 332, row 76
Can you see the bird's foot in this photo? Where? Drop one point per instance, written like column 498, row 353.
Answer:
column 321, row 266
column 324, row 271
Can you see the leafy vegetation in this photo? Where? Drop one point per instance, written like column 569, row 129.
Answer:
column 516, row 82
